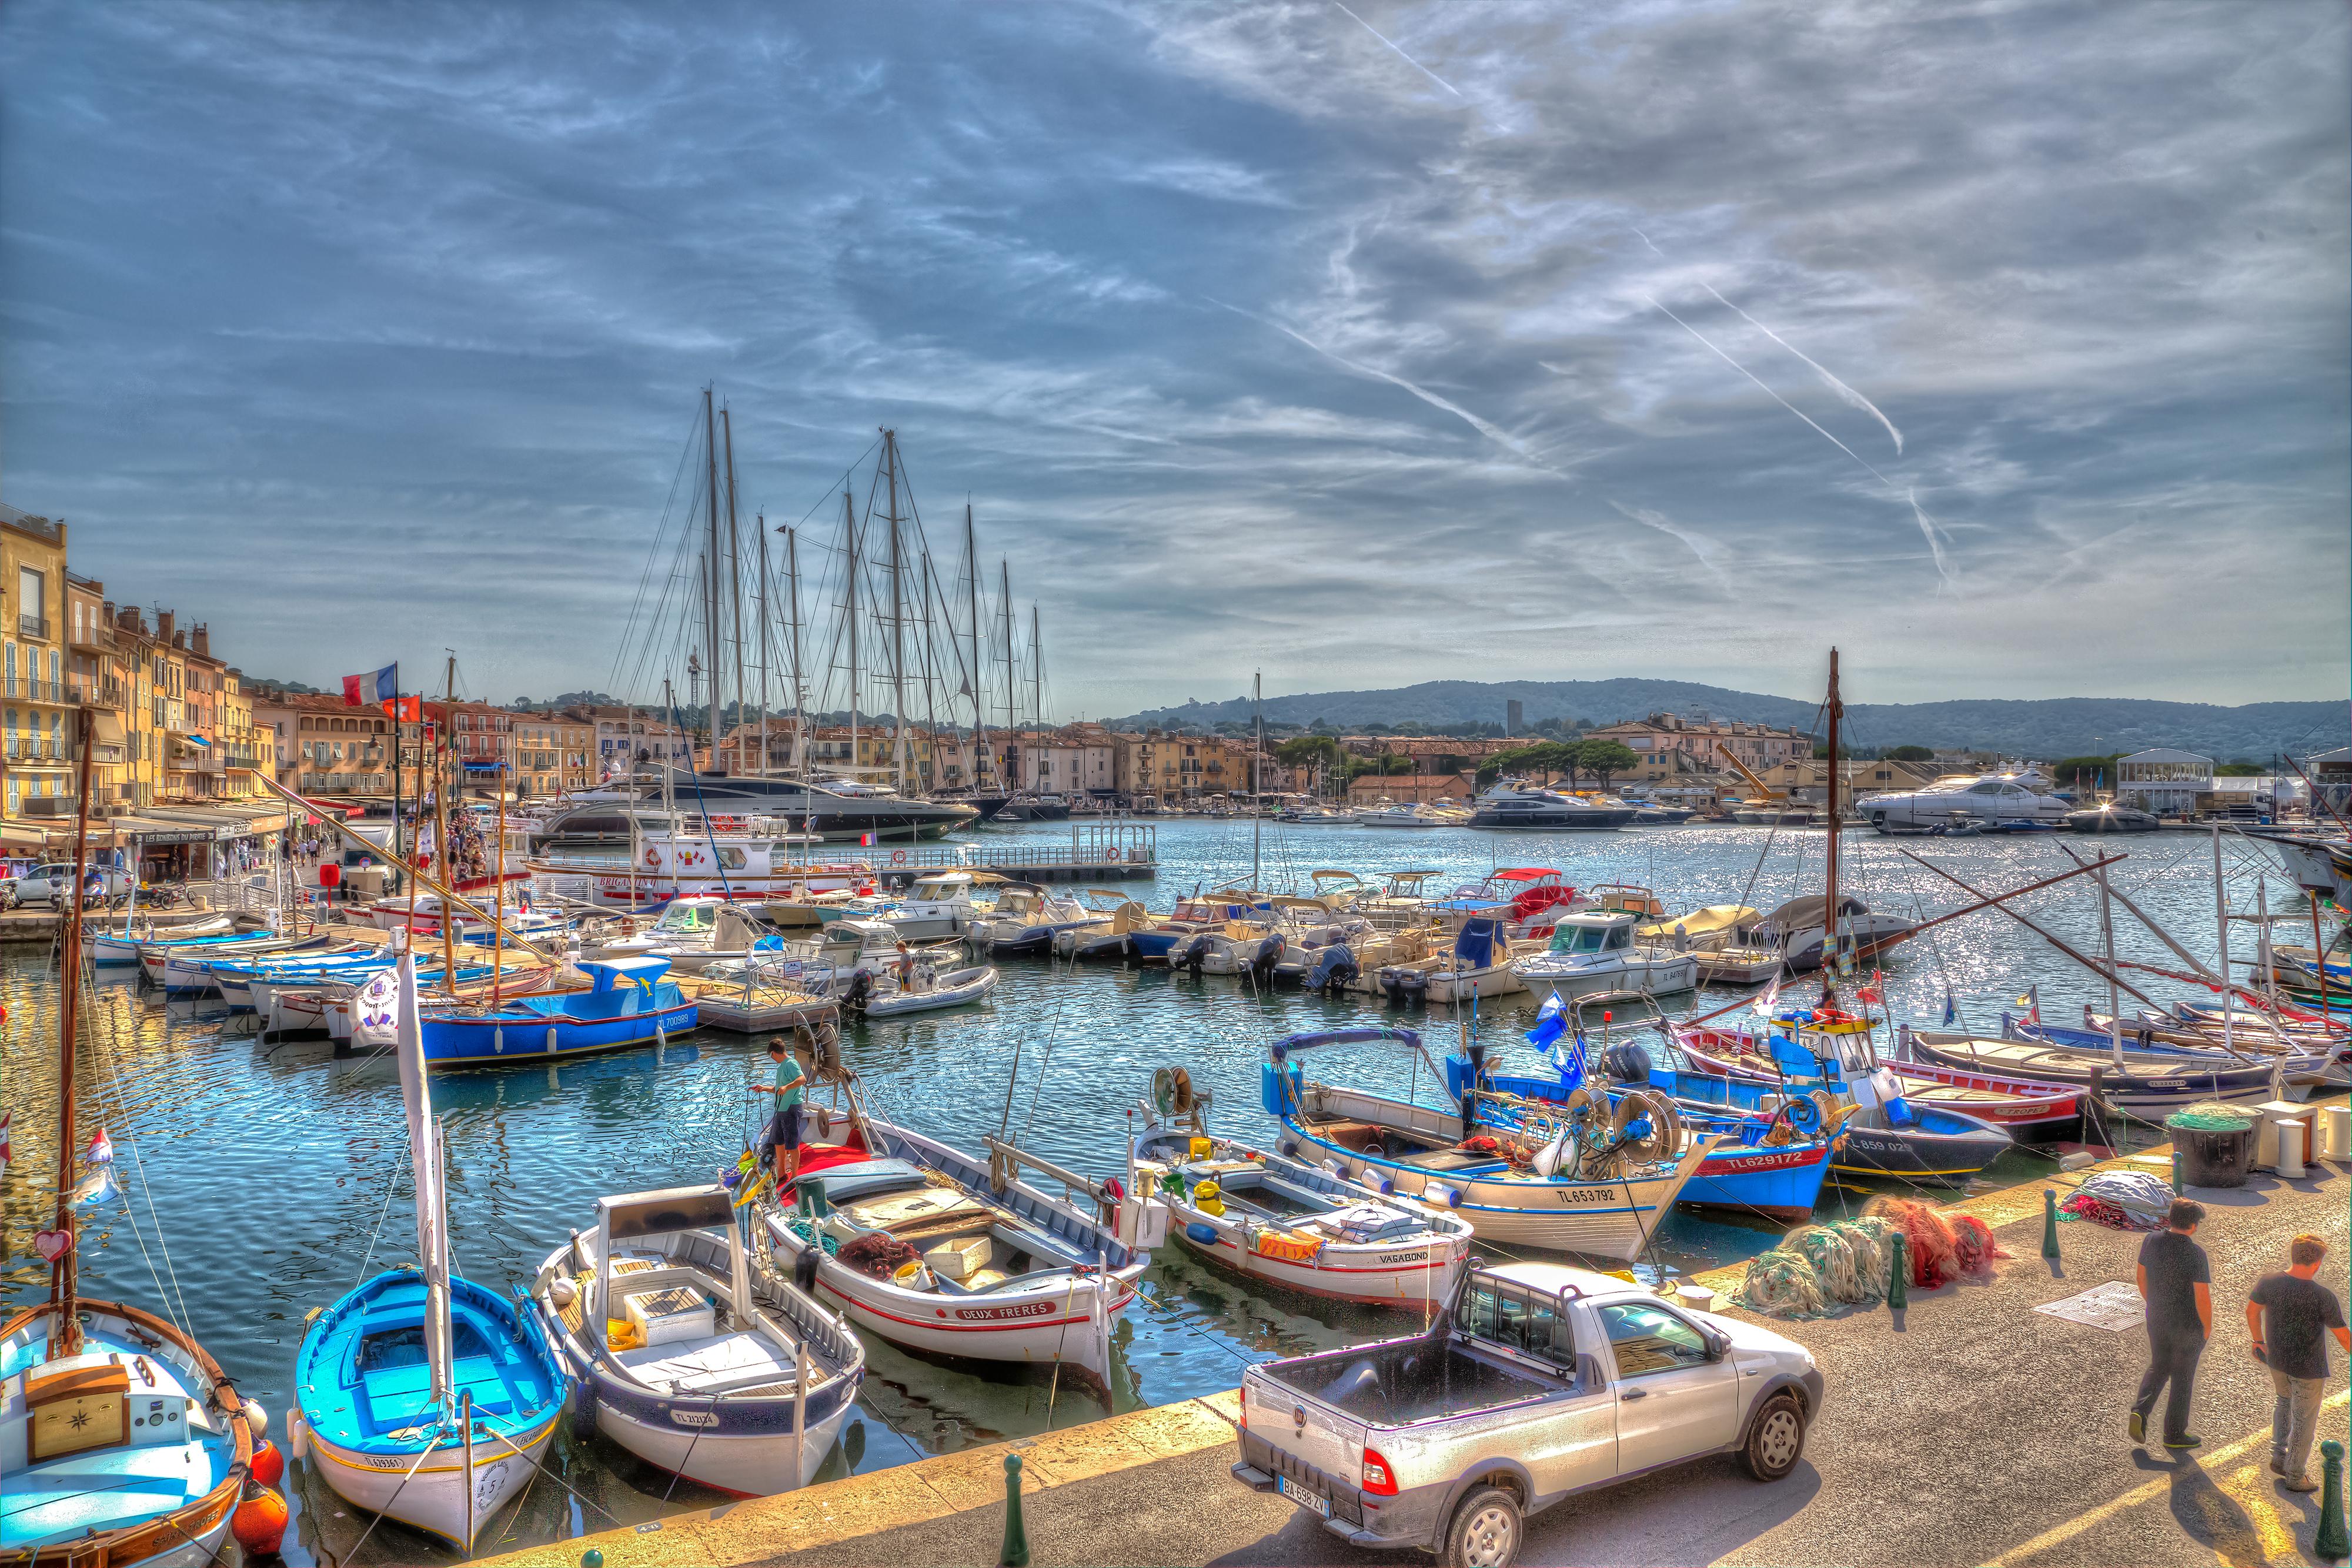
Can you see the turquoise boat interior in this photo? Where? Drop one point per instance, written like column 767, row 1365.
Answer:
column 364, row 1381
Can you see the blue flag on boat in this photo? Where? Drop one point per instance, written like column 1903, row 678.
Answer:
column 1551, row 1022
column 1951, row 1011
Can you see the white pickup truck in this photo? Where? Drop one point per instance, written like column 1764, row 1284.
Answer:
column 1541, row 1381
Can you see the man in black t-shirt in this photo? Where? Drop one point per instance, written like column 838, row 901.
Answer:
column 2179, row 1290
column 2290, row 1316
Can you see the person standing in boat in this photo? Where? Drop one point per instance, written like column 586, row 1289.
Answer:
column 2177, row 1286
column 784, row 1126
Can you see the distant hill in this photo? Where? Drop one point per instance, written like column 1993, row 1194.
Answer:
column 296, row 688
column 2052, row 728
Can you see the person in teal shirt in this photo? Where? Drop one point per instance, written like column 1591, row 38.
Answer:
column 784, row 1127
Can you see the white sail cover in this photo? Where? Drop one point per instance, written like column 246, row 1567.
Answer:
column 424, row 1161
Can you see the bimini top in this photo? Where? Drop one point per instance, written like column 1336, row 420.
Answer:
column 611, row 974
column 1523, row 874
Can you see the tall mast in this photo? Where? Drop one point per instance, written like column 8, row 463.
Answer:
column 711, row 570
column 1004, row 606
column 1257, row 757
column 1830, row 933
column 849, row 536
column 792, row 583
column 448, row 860
column 761, row 529
column 734, row 583
column 930, row 642
column 897, row 612
column 64, row 1324
column 972, row 587
column 1036, row 670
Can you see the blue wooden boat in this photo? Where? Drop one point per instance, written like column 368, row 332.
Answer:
column 422, row 1396
column 632, row 1004
column 1782, row 1181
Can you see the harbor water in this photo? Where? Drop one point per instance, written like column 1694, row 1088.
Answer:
column 261, row 1182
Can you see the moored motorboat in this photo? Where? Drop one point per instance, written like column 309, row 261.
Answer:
column 926, row 990
column 689, row 1363
column 632, row 1002
column 1594, row 950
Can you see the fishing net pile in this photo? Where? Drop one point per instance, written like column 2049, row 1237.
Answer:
column 1781, row 1284
column 1818, row 1268
column 2120, row 1201
column 879, row 1255
column 2211, row 1116
column 1942, row 1246
column 805, row 1228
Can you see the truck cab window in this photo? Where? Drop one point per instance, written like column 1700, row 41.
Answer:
column 1647, row 1339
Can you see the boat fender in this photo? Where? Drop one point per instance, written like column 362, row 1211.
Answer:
column 583, row 1408
column 268, row 1464
column 1444, row 1196
column 1206, row 1235
column 1380, row 1183
column 1335, row 1166
column 1287, row 1148
column 260, row 1522
column 297, row 1442
column 563, row 1293
column 256, row 1416
column 804, row 1266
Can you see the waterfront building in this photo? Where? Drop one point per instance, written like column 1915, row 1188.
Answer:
column 2162, row 779
column 1178, row 766
column 1668, row 743
column 1409, row 788
column 36, row 761
column 333, row 750
column 552, row 752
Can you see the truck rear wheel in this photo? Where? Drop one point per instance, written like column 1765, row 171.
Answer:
column 1486, row 1531
column 1776, row 1439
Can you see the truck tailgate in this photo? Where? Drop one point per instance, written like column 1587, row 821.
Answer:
column 1301, row 1427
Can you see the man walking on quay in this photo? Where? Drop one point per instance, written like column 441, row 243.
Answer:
column 2290, row 1315
column 2179, row 1290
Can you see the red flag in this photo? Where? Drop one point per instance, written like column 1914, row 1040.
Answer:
column 404, row 710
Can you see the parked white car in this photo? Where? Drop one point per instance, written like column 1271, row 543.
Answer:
column 1541, row 1381
column 44, row 883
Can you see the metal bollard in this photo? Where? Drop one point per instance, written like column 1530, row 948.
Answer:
column 2050, row 1224
column 1015, row 1554
column 2178, row 1188
column 2331, row 1541
column 1898, row 1276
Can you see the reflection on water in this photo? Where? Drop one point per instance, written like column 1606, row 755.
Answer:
column 279, row 1175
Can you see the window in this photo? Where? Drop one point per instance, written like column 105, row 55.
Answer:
column 1647, row 1339
column 1514, row 1315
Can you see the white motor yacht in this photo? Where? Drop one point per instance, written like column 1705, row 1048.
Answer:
column 1994, row 802
column 1514, row 805
column 1595, row 951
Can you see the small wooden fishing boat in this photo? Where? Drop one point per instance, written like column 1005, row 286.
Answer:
column 119, row 945
column 2146, row 1084
column 939, row 1252
column 687, row 1363
column 188, row 972
column 420, row 1395
column 2025, row 1107
column 1397, row 1147
column 631, row 1003
column 1284, row 1221
column 924, row 991
column 2313, row 1056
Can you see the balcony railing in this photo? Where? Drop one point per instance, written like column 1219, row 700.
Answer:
column 32, row 625
column 102, row 691
column 33, row 689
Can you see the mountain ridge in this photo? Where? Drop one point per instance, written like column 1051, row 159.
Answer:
column 2039, row 727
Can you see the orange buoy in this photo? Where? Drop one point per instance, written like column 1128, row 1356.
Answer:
column 260, row 1522
column 268, row 1463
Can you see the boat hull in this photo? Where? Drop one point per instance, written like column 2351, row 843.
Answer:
column 433, row 1499
column 455, row 1042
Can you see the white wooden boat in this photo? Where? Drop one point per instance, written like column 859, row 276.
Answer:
column 1399, row 1148
column 1006, row 1274
column 1595, row 951
column 737, row 1386
column 1286, row 1222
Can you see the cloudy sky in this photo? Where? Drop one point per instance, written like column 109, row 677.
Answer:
column 2004, row 344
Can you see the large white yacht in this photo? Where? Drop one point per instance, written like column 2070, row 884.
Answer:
column 1516, row 805
column 1996, row 801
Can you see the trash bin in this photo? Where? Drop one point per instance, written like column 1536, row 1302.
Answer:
column 2216, row 1143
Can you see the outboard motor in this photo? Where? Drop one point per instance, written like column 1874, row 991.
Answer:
column 1261, row 962
column 861, row 986
column 1334, row 966
column 1478, row 1053
column 1627, row 1063
column 1196, row 953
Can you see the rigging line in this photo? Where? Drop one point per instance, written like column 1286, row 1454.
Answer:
column 114, row 1081
column 391, row 1186
column 652, row 554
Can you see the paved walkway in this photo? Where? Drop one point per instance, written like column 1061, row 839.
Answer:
column 1973, row 1430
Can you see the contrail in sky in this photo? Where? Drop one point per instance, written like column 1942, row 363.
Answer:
column 1408, row 59
column 1649, row 518
column 1837, row 386
column 1484, row 427
column 1927, row 526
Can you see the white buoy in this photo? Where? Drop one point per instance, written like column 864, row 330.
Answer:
column 256, row 1416
column 297, row 1442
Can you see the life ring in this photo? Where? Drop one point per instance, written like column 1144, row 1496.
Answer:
column 653, row 859
column 897, row 857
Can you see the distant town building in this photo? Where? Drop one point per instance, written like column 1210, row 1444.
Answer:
column 2163, row 780
column 1669, row 744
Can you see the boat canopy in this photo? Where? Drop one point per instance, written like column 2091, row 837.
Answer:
column 1473, row 948
column 1704, row 922
column 611, row 974
column 707, row 1207
column 1525, row 873
column 1809, row 910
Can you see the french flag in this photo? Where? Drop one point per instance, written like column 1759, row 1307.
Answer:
column 376, row 686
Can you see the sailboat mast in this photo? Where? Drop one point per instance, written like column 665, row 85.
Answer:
column 793, row 586
column 448, row 860
column 734, row 580
column 711, row 568
column 65, row 1326
column 1258, row 760
column 1005, row 607
column 1036, row 670
column 759, row 527
column 897, row 612
column 972, row 589
column 931, row 646
column 849, row 537
column 1830, row 934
